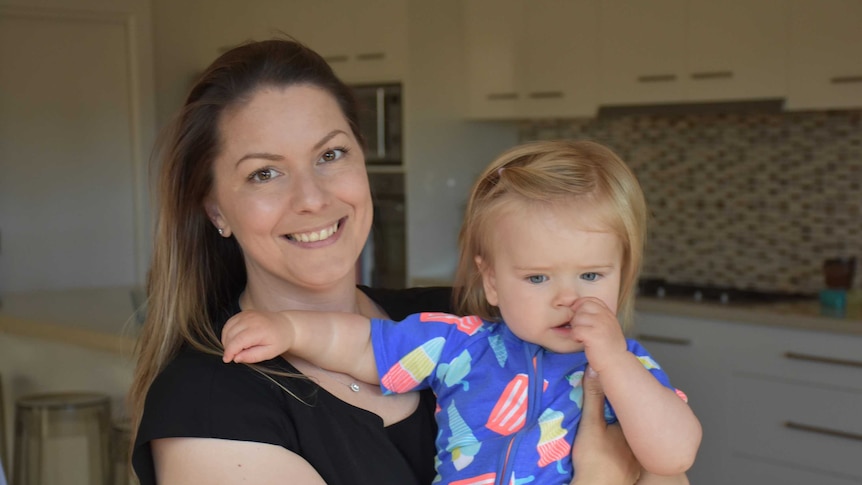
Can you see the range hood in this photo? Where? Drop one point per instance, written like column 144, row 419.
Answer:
column 769, row 105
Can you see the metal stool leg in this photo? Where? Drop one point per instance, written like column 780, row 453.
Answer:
column 62, row 438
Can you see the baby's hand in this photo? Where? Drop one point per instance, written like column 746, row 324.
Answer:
column 596, row 326
column 253, row 336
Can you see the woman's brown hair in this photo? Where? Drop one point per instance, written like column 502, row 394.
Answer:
column 196, row 275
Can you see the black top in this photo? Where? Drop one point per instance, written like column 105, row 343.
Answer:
column 197, row 395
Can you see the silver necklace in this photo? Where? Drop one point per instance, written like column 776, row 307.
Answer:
column 353, row 385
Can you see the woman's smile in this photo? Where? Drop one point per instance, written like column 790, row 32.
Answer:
column 315, row 236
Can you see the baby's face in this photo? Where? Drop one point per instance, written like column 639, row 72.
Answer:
column 544, row 259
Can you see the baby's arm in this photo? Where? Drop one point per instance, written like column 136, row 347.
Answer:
column 339, row 342
column 661, row 429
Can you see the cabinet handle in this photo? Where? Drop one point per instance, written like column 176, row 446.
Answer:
column 817, row 429
column 712, row 75
column 663, row 340
column 657, row 78
column 846, row 79
column 371, row 56
column 546, row 94
column 822, row 360
column 338, row 58
column 502, row 96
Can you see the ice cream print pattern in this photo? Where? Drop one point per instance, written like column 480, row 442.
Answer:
column 495, row 393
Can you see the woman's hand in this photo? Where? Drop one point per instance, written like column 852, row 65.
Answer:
column 600, row 454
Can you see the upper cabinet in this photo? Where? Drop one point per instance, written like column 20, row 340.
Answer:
column 531, row 58
column 565, row 58
column 825, row 65
column 736, row 49
column 364, row 42
column 668, row 51
column 643, row 51
column 490, row 39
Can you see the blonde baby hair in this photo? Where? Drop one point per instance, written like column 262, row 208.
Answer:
column 550, row 172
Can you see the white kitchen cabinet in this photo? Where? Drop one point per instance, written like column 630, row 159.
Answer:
column 745, row 470
column 559, row 59
column 364, row 42
column 643, row 51
column 825, row 66
column 531, row 59
column 777, row 405
column 692, row 357
column 491, row 30
column 736, row 49
column 672, row 51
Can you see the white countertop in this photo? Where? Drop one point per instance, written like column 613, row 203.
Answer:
column 804, row 314
column 104, row 318
column 100, row 318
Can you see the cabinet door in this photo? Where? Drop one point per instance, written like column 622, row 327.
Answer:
column 745, row 470
column 380, row 47
column 736, row 49
column 325, row 26
column 558, row 59
column 71, row 168
column 643, row 51
column 491, row 31
column 825, row 63
column 363, row 41
column 692, row 353
column 796, row 423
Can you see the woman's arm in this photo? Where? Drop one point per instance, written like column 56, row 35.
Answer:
column 600, row 454
column 339, row 342
column 217, row 462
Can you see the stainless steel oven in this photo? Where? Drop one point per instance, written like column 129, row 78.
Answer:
column 383, row 262
column 384, row 258
column 380, row 120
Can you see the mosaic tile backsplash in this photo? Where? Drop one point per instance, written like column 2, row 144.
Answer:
column 748, row 200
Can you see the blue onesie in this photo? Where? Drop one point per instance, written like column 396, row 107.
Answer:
column 505, row 407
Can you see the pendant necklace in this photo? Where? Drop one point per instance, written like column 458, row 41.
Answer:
column 353, row 385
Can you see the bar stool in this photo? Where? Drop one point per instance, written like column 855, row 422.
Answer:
column 121, row 435
column 62, row 438
column 4, row 456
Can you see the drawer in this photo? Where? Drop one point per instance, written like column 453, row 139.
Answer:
column 747, row 470
column 816, row 427
column 809, row 356
column 814, row 357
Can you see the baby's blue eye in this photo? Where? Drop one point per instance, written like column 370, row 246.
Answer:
column 590, row 276
column 538, row 278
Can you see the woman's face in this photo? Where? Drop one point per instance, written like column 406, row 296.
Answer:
column 290, row 185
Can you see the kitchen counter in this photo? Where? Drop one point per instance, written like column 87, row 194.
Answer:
column 97, row 318
column 803, row 314
column 104, row 318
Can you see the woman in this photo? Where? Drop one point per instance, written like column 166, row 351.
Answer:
column 265, row 204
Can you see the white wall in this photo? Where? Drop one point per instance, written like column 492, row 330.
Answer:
column 443, row 152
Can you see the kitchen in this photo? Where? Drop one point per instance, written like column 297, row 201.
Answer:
column 744, row 194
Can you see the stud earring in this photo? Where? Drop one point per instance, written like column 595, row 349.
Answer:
column 220, row 232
